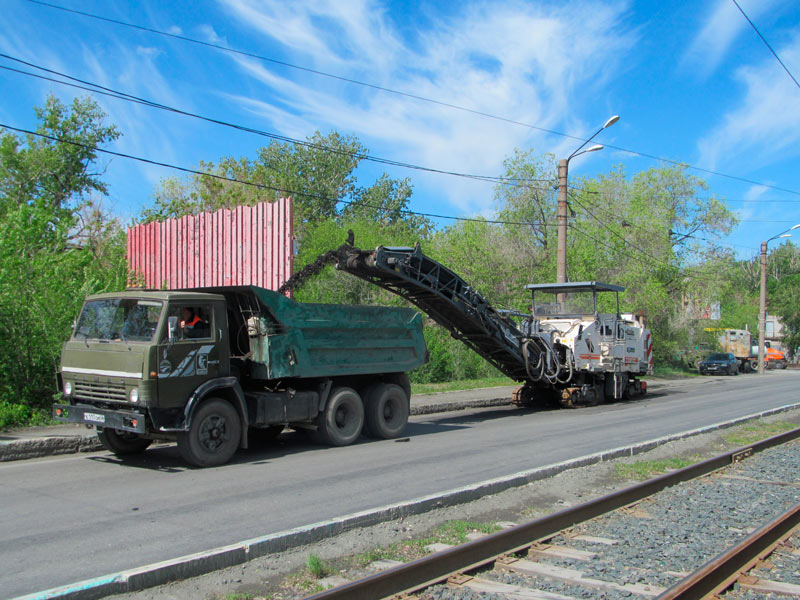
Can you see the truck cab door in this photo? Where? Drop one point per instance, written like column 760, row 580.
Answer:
column 192, row 356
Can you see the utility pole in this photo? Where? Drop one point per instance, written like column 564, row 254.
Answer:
column 762, row 309
column 561, row 264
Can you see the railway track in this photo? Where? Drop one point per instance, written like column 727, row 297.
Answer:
column 731, row 525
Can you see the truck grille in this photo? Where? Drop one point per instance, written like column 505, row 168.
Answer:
column 86, row 390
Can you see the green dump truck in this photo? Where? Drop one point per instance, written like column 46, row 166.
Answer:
column 212, row 368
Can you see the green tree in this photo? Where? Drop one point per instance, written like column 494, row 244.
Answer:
column 319, row 175
column 56, row 244
column 782, row 301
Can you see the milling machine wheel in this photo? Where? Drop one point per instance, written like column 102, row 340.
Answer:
column 522, row 396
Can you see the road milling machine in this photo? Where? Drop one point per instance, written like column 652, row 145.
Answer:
column 563, row 350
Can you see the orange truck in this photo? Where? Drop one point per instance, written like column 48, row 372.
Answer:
column 773, row 358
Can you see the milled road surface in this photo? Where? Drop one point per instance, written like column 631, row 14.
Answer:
column 65, row 519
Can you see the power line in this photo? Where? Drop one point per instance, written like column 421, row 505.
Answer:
column 612, row 216
column 766, row 43
column 697, row 237
column 648, row 261
column 264, row 186
column 400, row 93
column 106, row 91
column 623, row 238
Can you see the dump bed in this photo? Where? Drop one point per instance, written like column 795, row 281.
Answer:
column 296, row 339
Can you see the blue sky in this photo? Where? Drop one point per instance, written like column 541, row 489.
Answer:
column 691, row 82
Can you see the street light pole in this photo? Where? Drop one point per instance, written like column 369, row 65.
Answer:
column 561, row 212
column 762, row 307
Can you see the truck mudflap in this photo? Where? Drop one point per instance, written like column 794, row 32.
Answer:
column 122, row 420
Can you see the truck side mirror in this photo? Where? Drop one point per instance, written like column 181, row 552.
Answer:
column 172, row 329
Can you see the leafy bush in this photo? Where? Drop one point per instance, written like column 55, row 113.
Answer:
column 18, row 415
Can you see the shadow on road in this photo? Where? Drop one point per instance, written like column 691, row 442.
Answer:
column 165, row 458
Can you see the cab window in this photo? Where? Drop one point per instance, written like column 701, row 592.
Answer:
column 194, row 321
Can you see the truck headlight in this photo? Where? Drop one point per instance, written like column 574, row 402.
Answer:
column 134, row 395
column 68, row 388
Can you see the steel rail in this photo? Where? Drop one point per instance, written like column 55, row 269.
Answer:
column 722, row 571
column 437, row 567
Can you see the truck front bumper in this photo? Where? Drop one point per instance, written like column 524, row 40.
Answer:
column 110, row 419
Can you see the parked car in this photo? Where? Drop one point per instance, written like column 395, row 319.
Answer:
column 719, row 362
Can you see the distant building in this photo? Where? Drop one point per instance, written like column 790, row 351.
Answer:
column 773, row 332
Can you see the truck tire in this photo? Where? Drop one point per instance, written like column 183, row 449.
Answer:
column 780, row 364
column 401, row 379
column 213, row 436
column 386, row 408
column 123, row 443
column 342, row 420
column 747, row 366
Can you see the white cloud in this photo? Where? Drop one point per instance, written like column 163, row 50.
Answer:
column 521, row 61
column 763, row 125
column 723, row 25
column 751, row 202
column 210, row 35
column 149, row 51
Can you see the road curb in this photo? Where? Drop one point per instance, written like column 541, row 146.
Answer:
column 47, row 446
column 206, row 562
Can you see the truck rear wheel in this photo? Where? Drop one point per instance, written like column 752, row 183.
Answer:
column 122, row 443
column 340, row 423
column 213, row 436
column 385, row 411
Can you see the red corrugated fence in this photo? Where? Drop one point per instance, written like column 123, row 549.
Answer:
column 249, row 245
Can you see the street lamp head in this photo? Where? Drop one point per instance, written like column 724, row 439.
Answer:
column 611, row 121
column 594, row 148
column 794, row 227
column 785, row 235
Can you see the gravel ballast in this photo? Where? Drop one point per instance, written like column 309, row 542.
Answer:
column 678, row 530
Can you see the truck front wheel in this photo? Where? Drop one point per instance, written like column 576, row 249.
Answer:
column 213, row 436
column 385, row 411
column 122, row 443
column 340, row 423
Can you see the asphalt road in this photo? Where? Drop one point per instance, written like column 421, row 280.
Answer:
column 64, row 519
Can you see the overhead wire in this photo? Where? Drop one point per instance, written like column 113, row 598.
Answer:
column 264, row 186
column 739, row 220
column 106, row 91
column 400, row 93
column 647, row 259
column 766, row 43
column 611, row 215
column 626, row 241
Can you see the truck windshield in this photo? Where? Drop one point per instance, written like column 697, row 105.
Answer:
column 123, row 319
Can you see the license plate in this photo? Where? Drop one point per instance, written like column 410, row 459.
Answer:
column 94, row 417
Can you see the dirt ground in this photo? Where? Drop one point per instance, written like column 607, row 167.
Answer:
column 284, row 575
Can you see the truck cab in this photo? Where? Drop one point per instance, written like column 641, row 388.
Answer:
column 135, row 357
